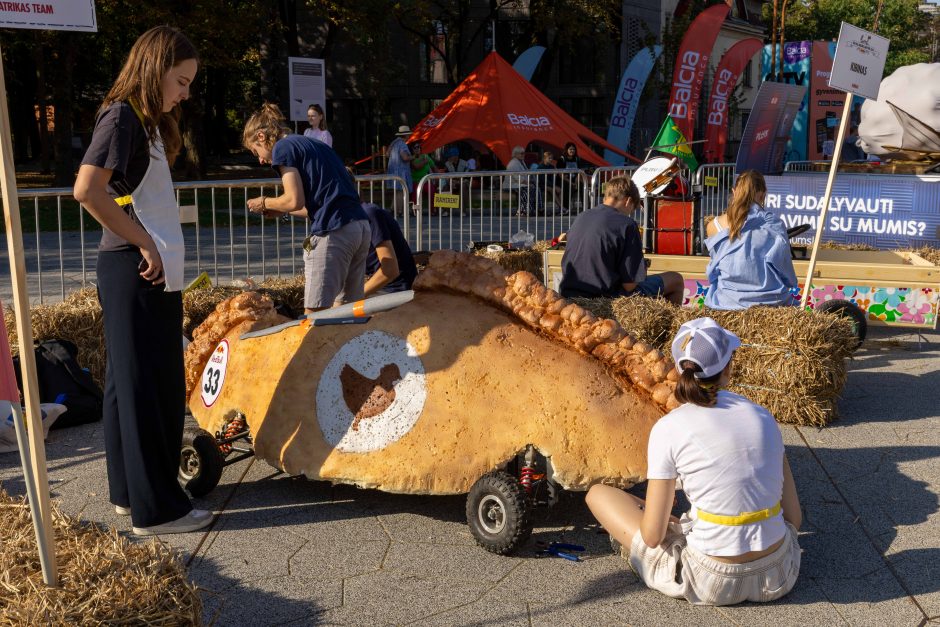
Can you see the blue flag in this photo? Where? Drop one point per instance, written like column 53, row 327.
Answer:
column 628, row 100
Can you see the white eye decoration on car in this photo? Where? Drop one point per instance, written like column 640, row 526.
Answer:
column 371, row 393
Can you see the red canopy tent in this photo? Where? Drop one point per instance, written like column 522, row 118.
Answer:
column 495, row 106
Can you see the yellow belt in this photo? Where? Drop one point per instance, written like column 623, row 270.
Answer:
column 744, row 518
column 123, row 201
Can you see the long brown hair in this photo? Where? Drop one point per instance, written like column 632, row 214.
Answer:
column 749, row 187
column 701, row 392
column 268, row 120
column 322, row 125
column 141, row 80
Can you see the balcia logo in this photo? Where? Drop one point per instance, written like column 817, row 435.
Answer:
column 528, row 121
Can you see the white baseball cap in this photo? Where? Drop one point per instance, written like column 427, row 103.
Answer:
column 705, row 343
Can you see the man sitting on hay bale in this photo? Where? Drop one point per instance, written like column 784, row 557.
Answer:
column 604, row 252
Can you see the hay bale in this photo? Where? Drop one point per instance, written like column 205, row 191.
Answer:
column 78, row 318
column 515, row 260
column 103, row 578
column 791, row 361
column 928, row 253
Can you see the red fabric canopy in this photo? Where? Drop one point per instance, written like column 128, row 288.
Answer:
column 497, row 107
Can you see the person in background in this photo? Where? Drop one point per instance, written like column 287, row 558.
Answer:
column 739, row 541
column 750, row 260
column 522, row 184
column 124, row 182
column 604, row 255
column 550, row 182
column 317, row 128
column 316, row 186
column 850, row 149
column 453, row 162
column 473, row 163
column 421, row 166
column 570, row 188
column 399, row 164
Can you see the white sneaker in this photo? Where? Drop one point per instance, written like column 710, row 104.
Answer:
column 193, row 521
column 123, row 511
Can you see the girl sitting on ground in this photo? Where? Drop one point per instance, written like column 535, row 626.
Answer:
column 739, row 541
column 750, row 252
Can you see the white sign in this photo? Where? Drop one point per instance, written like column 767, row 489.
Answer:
column 50, row 15
column 859, row 62
column 213, row 377
column 307, row 86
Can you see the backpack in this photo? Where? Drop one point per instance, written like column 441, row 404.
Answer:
column 63, row 381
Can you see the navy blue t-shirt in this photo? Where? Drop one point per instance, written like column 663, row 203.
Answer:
column 385, row 228
column 329, row 194
column 603, row 252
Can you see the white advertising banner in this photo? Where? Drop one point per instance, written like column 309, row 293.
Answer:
column 50, row 15
column 307, row 86
column 859, row 62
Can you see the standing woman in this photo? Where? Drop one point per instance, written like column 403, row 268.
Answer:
column 124, row 182
column 316, row 186
column 317, row 129
column 739, row 541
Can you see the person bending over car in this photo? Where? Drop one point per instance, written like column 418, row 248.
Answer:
column 750, row 261
column 604, row 254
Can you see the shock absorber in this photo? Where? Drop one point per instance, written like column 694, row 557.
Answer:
column 527, row 473
column 236, row 426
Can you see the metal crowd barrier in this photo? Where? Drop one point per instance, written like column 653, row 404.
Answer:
column 222, row 237
column 454, row 209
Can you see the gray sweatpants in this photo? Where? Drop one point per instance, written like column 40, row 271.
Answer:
column 335, row 265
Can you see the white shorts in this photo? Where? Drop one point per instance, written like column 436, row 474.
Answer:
column 679, row 571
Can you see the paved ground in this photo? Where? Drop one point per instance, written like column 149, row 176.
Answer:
column 290, row 551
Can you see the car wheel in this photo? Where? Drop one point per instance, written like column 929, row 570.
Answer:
column 201, row 462
column 848, row 309
column 498, row 513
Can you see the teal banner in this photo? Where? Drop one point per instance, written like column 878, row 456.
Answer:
column 628, row 100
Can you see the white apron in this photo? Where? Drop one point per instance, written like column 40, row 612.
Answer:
column 156, row 208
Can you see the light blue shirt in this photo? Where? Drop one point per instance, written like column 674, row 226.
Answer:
column 754, row 269
column 398, row 166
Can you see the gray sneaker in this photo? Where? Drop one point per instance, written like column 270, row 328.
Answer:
column 193, row 521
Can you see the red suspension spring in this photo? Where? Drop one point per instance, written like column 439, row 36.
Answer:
column 236, row 426
column 525, row 478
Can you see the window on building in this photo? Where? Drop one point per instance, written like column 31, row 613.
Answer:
column 748, row 70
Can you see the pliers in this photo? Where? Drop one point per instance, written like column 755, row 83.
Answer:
column 559, row 549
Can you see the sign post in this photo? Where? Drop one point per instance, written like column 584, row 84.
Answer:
column 857, row 69
column 53, row 15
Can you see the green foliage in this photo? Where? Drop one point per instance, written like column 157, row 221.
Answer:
column 901, row 21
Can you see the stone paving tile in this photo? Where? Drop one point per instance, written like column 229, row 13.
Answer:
column 334, row 562
column 456, row 563
column 806, row 604
column 274, row 601
column 871, row 599
column 393, row 598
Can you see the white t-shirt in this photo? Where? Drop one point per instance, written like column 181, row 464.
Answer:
column 730, row 460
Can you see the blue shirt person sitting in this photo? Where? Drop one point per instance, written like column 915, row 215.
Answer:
column 750, row 252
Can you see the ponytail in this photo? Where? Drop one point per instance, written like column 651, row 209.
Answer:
column 749, row 187
column 268, row 120
column 701, row 392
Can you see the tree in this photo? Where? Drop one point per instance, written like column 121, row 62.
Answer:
column 901, row 21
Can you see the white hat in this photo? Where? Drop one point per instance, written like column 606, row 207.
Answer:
column 706, row 344
column 404, row 130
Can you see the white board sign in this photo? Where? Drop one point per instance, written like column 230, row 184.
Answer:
column 859, row 62
column 50, row 15
column 307, row 78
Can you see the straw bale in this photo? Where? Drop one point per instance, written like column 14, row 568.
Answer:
column 791, row 361
column 928, row 253
column 514, row 260
column 103, row 578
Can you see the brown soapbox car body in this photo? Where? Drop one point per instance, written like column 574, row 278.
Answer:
column 483, row 384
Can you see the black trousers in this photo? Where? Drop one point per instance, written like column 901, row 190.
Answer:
column 145, row 389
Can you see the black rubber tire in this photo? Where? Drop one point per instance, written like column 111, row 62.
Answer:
column 498, row 513
column 848, row 309
column 201, row 462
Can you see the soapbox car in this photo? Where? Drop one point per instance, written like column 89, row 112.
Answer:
column 442, row 393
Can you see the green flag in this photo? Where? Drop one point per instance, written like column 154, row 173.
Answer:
column 669, row 135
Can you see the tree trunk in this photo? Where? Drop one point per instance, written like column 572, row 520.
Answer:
column 63, row 94
column 773, row 42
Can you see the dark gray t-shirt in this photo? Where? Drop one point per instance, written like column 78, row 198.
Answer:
column 120, row 144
